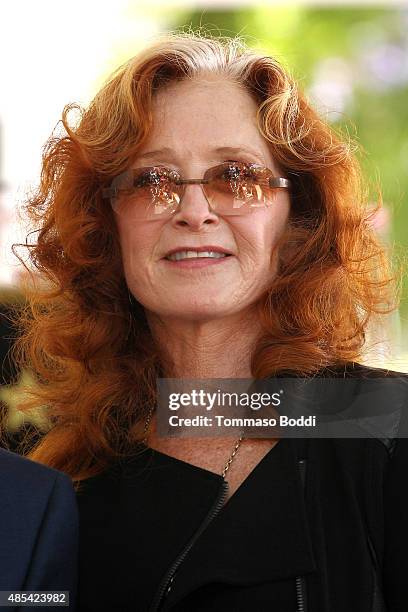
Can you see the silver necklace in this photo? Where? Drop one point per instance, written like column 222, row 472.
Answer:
column 231, row 457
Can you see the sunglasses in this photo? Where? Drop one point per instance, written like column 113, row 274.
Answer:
column 231, row 188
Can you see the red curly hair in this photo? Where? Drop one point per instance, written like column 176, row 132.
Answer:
column 87, row 340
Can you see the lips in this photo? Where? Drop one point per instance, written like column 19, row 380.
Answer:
column 196, row 249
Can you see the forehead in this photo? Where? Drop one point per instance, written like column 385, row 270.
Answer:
column 206, row 117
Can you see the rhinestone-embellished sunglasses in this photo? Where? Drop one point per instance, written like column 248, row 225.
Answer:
column 231, row 188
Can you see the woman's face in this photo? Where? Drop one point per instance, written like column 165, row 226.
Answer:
column 191, row 121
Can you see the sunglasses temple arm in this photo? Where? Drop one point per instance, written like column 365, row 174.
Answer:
column 279, row 183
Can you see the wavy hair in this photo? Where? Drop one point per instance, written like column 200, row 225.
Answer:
column 86, row 339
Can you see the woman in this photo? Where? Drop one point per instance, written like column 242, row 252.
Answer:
column 261, row 263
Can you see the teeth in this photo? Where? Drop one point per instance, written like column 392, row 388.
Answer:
column 191, row 254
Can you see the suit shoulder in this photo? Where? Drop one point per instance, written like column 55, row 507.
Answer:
column 17, row 469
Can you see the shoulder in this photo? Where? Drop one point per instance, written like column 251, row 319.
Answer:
column 23, row 465
column 29, row 488
column 369, row 428
column 353, row 369
column 386, row 392
column 371, row 401
column 21, row 476
column 38, row 525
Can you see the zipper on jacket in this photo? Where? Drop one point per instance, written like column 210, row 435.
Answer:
column 166, row 583
column 301, row 601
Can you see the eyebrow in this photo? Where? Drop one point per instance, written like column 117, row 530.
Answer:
column 222, row 150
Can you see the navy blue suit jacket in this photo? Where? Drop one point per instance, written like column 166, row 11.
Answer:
column 38, row 529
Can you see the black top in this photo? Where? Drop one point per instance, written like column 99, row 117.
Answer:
column 319, row 525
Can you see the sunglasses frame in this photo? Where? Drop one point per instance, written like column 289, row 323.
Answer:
column 272, row 182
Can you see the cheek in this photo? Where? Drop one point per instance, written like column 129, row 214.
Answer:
column 264, row 236
column 276, row 220
column 136, row 247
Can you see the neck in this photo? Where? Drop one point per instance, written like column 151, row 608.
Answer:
column 219, row 348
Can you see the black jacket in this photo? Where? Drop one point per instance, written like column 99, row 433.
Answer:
column 320, row 525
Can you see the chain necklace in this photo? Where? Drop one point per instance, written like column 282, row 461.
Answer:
column 231, row 457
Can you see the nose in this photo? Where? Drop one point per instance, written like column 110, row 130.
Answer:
column 194, row 210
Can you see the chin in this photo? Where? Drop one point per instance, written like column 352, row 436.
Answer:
column 205, row 311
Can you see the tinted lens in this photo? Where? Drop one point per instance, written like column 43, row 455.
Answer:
column 238, row 188
column 146, row 193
